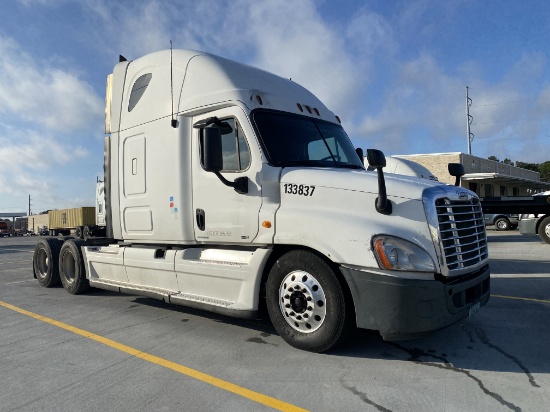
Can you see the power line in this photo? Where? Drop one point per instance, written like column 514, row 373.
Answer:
column 512, row 138
column 512, row 120
column 511, row 102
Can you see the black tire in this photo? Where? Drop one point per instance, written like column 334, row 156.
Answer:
column 502, row 224
column 46, row 261
column 79, row 232
column 306, row 302
column 544, row 230
column 71, row 267
column 87, row 232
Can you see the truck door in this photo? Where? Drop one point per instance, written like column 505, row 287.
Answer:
column 222, row 214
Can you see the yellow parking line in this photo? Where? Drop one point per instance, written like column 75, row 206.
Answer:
column 228, row 386
column 517, row 298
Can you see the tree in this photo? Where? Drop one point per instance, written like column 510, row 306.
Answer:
column 508, row 162
column 544, row 169
column 529, row 166
column 494, row 158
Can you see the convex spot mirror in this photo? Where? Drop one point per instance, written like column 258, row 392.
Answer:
column 456, row 170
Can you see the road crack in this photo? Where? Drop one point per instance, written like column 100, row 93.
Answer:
column 417, row 353
column 363, row 397
column 481, row 335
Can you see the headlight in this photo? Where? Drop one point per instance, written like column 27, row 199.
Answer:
column 398, row 254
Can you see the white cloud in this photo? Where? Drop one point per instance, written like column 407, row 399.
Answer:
column 28, row 164
column 288, row 39
column 48, row 96
column 35, row 152
column 423, row 102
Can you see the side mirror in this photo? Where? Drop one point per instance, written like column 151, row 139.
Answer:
column 212, row 149
column 456, row 170
column 377, row 160
column 212, row 158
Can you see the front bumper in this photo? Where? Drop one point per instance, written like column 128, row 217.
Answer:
column 403, row 309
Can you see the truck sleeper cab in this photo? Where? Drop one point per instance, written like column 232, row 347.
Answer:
column 252, row 190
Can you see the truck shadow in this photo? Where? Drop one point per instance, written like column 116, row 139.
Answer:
column 513, row 237
column 518, row 268
column 262, row 324
column 23, row 246
column 507, row 335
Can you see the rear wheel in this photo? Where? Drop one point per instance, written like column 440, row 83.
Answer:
column 71, row 267
column 306, row 303
column 79, row 232
column 45, row 261
column 544, row 229
column 87, row 232
column 502, row 224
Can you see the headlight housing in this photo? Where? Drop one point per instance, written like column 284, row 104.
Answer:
column 394, row 253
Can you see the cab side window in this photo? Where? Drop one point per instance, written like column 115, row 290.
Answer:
column 235, row 151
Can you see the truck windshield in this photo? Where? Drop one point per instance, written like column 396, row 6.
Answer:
column 292, row 140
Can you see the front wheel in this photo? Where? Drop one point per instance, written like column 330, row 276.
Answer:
column 544, row 229
column 502, row 224
column 71, row 267
column 306, row 303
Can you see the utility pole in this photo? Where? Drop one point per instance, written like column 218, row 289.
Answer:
column 29, row 205
column 469, row 119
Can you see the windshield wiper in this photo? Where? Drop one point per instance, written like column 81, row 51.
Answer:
column 319, row 163
column 350, row 166
column 303, row 163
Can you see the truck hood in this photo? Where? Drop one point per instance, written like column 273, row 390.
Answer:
column 333, row 211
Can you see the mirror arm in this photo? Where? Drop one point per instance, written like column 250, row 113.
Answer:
column 240, row 184
column 383, row 205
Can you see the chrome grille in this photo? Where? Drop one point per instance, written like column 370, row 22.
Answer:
column 461, row 233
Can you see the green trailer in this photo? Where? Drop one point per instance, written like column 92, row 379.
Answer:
column 66, row 220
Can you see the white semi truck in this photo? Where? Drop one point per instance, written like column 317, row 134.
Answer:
column 229, row 189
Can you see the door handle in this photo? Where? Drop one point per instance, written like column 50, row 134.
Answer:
column 201, row 219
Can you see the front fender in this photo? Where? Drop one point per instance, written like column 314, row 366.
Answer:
column 340, row 224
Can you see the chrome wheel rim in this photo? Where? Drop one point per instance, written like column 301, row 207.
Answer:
column 302, row 301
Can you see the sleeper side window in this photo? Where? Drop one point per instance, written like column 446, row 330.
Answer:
column 138, row 89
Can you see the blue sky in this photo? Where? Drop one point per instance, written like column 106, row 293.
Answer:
column 394, row 71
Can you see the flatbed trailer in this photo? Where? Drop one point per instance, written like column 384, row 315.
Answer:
column 534, row 212
column 516, row 205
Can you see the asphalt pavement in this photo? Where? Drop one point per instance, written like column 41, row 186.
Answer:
column 108, row 351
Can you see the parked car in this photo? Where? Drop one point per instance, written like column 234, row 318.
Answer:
column 502, row 221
